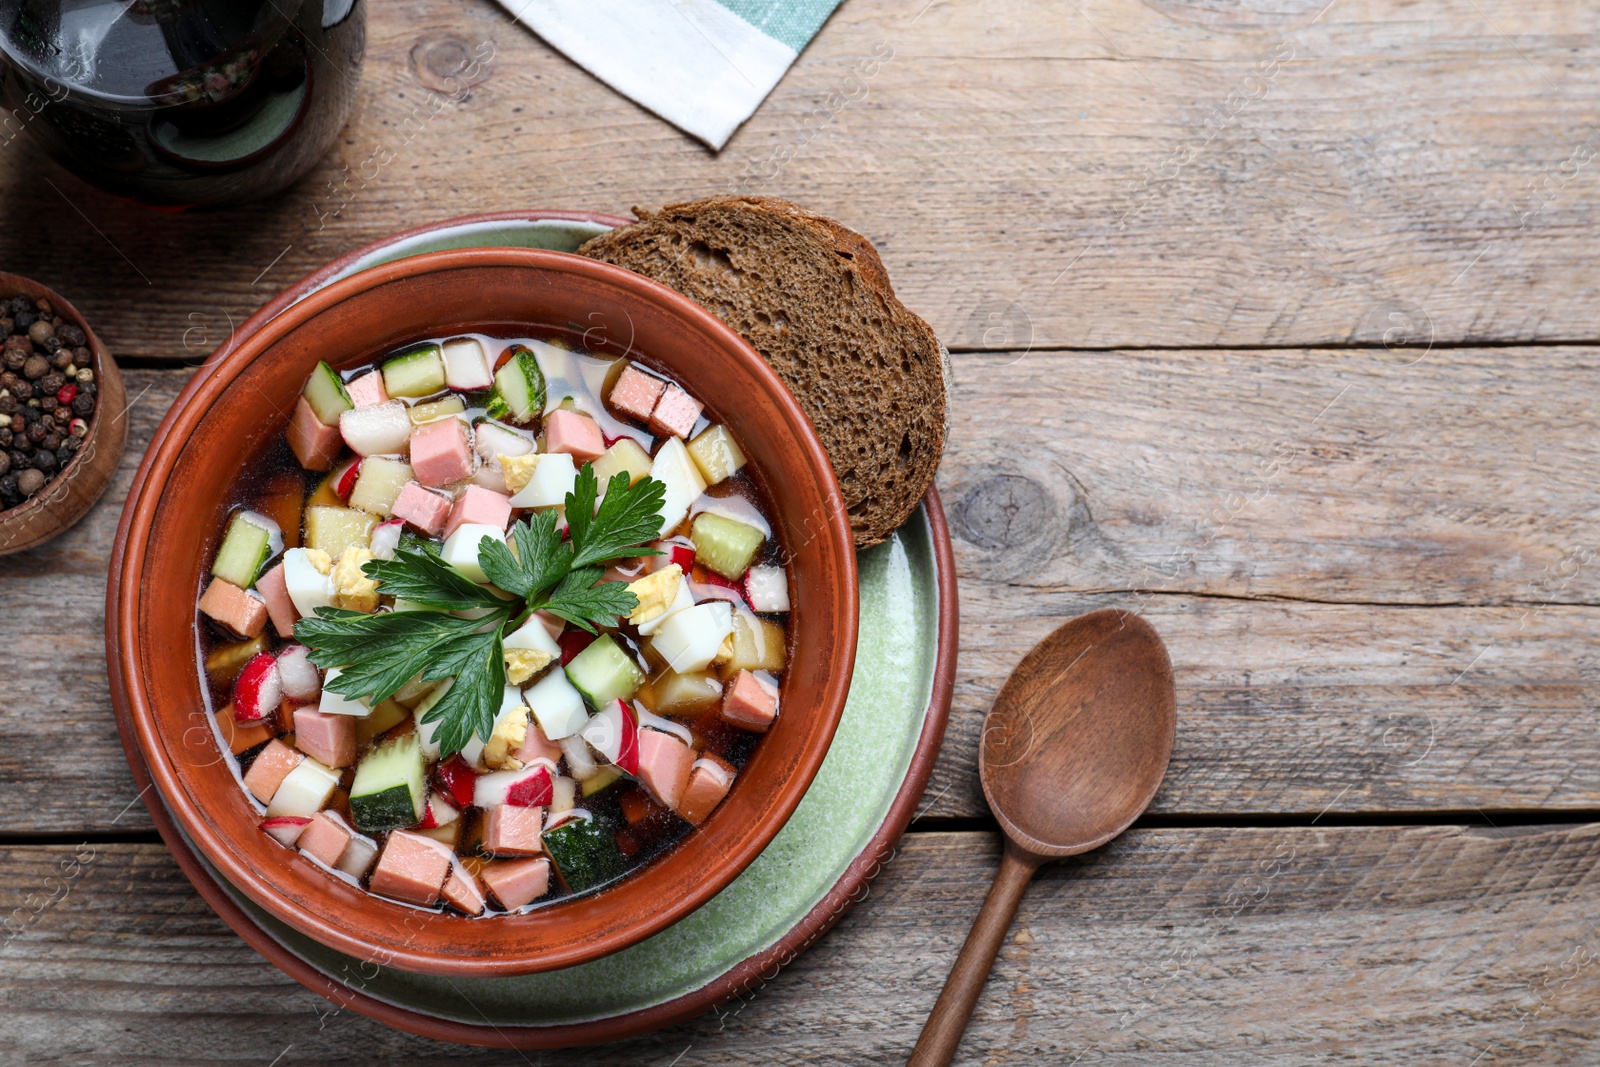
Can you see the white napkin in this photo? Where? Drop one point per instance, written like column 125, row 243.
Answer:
column 702, row 65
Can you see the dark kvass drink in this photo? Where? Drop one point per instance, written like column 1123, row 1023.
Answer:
column 181, row 102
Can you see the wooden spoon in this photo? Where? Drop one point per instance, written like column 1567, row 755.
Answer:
column 1072, row 752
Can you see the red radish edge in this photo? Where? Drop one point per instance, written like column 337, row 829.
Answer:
column 285, row 829
column 628, row 753
column 572, row 642
column 459, row 780
column 534, row 791
column 259, row 689
column 347, row 480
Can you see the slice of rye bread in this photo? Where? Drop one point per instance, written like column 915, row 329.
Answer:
column 813, row 298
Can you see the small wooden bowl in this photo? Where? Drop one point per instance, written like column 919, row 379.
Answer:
column 74, row 489
column 241, row 399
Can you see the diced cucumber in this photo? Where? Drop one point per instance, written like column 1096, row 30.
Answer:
column 518, row 394
column 585, row 854
column 419, row 372
column 326, row 394
column 603, row 672
column 390, row 787
column 335, row 529
column 434, row 410
column 245, row 547
column 601, row 780
column 725, row 545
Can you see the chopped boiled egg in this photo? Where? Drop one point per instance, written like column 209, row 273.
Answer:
column 528, row 650
column 518, row 470
column 655, row 592
column 509, row 734
column 352, row 589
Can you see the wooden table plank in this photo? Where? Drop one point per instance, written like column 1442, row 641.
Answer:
column 1090, row 174
column 1261, row 946
column 1444, row 511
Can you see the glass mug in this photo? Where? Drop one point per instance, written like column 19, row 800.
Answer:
column 181, row 103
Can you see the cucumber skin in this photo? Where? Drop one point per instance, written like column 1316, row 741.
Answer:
column 585, row 854
column 330, row 376
column 380, row 812
column 598, row 696
column 498, row 407
column 223, row 569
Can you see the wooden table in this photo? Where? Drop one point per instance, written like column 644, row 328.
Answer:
column 1273, row 321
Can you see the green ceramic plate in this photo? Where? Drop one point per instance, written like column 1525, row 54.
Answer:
column 855, row 809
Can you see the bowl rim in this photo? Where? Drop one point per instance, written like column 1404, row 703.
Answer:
column 92, row 481
column 131, row 693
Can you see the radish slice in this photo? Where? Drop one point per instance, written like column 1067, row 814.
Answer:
column 300, row 677
column 259, row 690
column 666, row 726
column 347, row 481
column 458, row 779
column 563, row 795
column 386, row 538
column 579, row 761
column 531, row 787
column 766, row 588
column 285, row 829
column 614, row 733
column 382, row 429
column 439, row 812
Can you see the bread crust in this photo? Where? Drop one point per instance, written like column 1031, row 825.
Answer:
column 787, row 279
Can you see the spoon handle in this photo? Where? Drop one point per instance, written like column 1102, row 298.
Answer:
column 942, row 1033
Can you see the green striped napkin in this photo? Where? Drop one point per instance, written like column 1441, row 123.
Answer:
column 703, row 65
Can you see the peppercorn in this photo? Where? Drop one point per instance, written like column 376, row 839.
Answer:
column 78, row 428
column 52, row 441
column 30, row 482
column 51, row 383
column 35, row 368
column 36, row 432
column 61, row 360
column 63, row 455
column 45, row 307
column 65, row 394
column 7, row 327
column 71, row 336
column 8, row 404
column 5, row 464
column 48, row 422
column 48, row 403
column 40, row 332
column 19, row 458
column 45, row 461
column 24, row 318
column 5, row 438
column 83, row 405
column 72, row 444
column 23, row 391
column 14, row 357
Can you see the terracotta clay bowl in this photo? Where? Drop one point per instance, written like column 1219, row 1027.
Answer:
column 240, row 399
column 71, row 491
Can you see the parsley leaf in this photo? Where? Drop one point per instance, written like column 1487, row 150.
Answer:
column 424, row 579
column 541, row 560
column 582, row 603
column 378, row 654
column 628, row 516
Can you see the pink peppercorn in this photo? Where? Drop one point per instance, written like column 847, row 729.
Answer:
column 65, row 394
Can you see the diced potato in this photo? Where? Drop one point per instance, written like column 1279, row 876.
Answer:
column 384, row 717
column 436, row 410
column 224, row 662
column 326, row 494
column 378, row 484
column 624, row 456
column 685, row 695
column 716, row 453
column 757, row 646
column 332, row 530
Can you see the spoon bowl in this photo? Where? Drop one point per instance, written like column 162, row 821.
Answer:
column 1077, row 742
column 1073, row 750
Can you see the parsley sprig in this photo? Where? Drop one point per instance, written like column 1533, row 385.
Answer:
column 537, row 570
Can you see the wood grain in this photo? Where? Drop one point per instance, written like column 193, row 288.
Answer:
column 1087, row 174
column 1402, row 618
column 1260, row 946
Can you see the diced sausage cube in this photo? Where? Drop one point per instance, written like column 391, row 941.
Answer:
column 234, row 608
column 412, row 868
column 509, row 830
column 574, row 433
column 535, row 745
column 461, row 890
column 664, row 763
column 635, row 393
column 275, row 592
column 367, row 390
column 676, row 412
column 269, row 769
column 240, row 736
column 749, row 703
column 709, row 781
column 441, row 452
column 324, row 840
column 481, row 506
column 421, row 508
column 315, row 444
column 328, row 739
column 517, row 882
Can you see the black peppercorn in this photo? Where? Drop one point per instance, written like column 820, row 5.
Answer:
column 48, row 403
column 45, row 461
column 83, row 405
column 62, row 359
column 36, row 432
column 5, row 437
column 19, row 458
column 64, row 454
column 52, row 441
column 71, row 336
column 8, row 405
column 24, row 318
